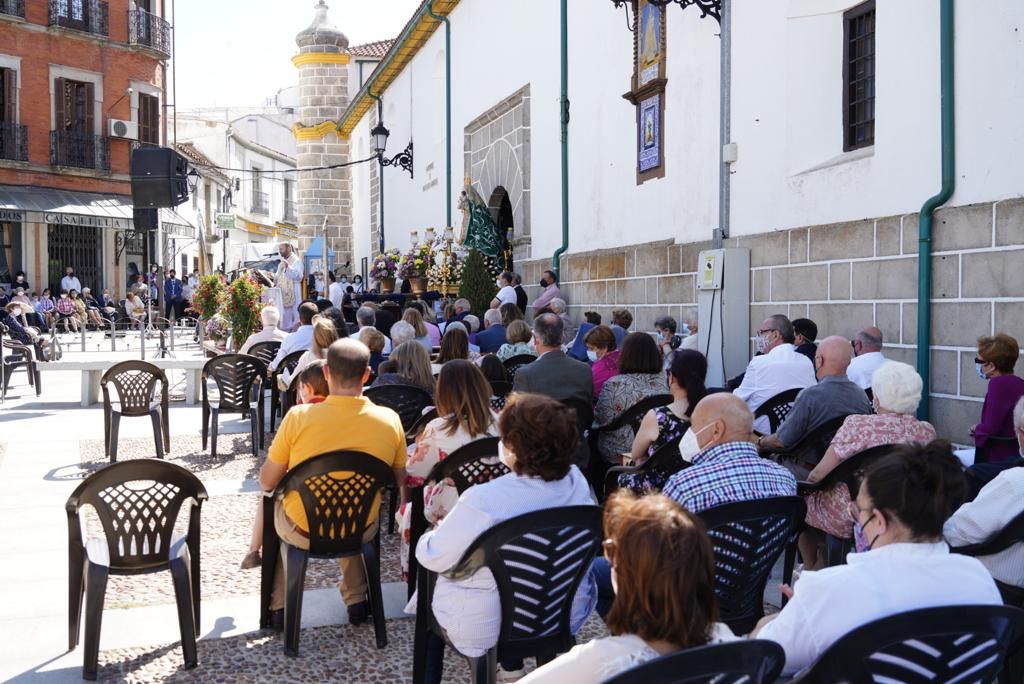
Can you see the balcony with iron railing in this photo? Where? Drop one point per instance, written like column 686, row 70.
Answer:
column 88, row 16
column 260, row 203
column 290, row 213
column 13, row 142
column 149, row 30
column 12, row 8
column 80, row 150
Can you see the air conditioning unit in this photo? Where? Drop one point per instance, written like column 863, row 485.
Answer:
column 119, row 128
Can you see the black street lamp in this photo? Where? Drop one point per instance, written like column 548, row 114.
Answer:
column 708, row 8
column 402, row 160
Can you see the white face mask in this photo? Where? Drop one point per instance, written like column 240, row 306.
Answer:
column 689, row 447
column 760, row 344
column 592, row 355
column 505, row 456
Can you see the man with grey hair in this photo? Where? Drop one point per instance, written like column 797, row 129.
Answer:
column 777, row 368
column 556, row 375
column 998, row 503
column 270, row 333
column 561, row 309
column 462, row 309
column 366, row 317
column 491, row 339
column 867, row 347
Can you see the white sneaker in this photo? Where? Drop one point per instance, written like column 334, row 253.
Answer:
column 509, row 675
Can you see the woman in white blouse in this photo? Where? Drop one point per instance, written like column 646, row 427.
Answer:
column 902, row 563
column 538, row 439
column 663, row 568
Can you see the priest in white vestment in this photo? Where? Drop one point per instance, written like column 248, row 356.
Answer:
column 289, row 281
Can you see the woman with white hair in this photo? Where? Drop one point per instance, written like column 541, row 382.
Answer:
column 401, row 332
column 897, row 392
column 269, row 315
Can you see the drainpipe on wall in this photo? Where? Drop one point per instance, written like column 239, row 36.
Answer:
column 564, row 113
column 927, row 219
column 447, row 110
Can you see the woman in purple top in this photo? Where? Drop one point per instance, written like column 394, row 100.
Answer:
column 997, row 355
column 603, row 356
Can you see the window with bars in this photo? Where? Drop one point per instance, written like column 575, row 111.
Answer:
column 859, row 76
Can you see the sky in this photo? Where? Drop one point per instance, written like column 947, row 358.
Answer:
column 233, row 53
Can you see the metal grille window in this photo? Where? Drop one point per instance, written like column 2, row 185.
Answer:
column 859, row 77
column 78, row 247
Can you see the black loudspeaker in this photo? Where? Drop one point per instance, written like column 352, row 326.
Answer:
column 145, row 219
column 159, row 177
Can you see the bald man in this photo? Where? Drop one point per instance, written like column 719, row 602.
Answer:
column 725, row 466
column 834, row 396
column 867, row 347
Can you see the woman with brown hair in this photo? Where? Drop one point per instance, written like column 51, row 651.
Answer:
column 411, row 367
column 463, row 402
column 413, row 317
column 454, row 345
column 518, row 334
column 663, row 571
column 538, row 439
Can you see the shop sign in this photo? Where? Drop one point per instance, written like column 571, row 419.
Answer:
column 85, row 221
column 12, row 216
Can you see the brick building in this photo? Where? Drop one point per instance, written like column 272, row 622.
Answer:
column 81, row 83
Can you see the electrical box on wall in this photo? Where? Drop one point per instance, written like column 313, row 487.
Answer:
column 723, row 304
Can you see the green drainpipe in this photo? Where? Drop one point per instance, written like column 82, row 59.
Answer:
column 447, row 110
column 924, row 261
column 565, row 142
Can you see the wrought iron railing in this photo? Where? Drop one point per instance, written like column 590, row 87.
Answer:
column 149, row 30
column 14, row 8
column 290, row 213
column 260, row 203
column 90, row 16
column 80, row 150
column 13, row 142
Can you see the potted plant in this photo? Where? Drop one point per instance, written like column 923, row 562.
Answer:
column 242, row 308
column 208, row 297
column 414, row 265
column 385, row 269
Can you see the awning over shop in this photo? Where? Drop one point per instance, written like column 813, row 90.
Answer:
column 274, row 231
column 23, row 203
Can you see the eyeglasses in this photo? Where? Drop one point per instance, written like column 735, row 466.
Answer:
column 980, row 362
column 765, row 331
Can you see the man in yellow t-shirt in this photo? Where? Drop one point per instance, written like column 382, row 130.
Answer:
column 346, row 420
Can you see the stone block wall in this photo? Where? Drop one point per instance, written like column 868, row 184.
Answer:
column 844, row 277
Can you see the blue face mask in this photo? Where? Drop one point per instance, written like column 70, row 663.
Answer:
column 592, row 355
column 981, row 373
column 685, row 332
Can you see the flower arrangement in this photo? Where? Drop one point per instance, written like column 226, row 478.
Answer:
column 447, row 270
column 242, row 308
column 385, row 266
column 208, row 296
column 217, row 328
column 416, row 262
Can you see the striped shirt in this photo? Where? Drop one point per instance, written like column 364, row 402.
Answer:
column 728, row 473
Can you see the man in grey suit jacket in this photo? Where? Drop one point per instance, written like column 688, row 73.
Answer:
column 556, row 375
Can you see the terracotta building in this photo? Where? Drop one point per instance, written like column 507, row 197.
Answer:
column 82, row 82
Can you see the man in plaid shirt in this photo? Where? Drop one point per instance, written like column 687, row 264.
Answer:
column 726, row 468
column 66, row 312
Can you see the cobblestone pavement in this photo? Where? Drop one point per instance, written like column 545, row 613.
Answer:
column 234, row 459
column 339, row 653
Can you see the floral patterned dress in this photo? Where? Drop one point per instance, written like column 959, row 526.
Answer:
column 431, row 447
column 619, row 394
column 829, row 510
column 670, row 427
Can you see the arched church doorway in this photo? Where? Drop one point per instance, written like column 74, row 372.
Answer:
column 501, row 210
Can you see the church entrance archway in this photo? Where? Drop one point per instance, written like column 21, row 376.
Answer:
column 500, row 206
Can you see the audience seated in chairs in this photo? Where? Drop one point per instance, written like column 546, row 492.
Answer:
column 999, row 502
column 376, row 342
column 10, row 316
column 640, row 376
column 493, row 336
column 725, row 467
column 134, row 307
column 602, row 355
column 45, row 307
column 402, row 332
column 411, row 367
column 414, row 317
column 517, row 334
column 660, row 567
column 324, row 335
column 997, row 356
column 539, row 436
column 578, row 349
column 464, row 414
column 270, row 317
column 28, row 310
column 777, row 368
column 902, row 563
column 897, row 393
column 346, row 420
column 299, row 340
column 668, row 423
column 833, row 397
column 454, row 345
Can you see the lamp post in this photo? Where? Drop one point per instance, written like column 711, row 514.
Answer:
column 402, row 160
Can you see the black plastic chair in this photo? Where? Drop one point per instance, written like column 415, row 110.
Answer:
column 500, row 389
column 19, row 356
column 408, row 401
column 981, row 454
column 289, row 363
column 1010, row 535
column 631, row 417
column 812, row 447
column 137, row 503
column 777, row 408
column 135, row 383
column 338, row 511
column 584, row 420
column 947, row 644
column 464, row 468
column 850, row 472
column 417, row 427
column 740, row 662
column 748, row 537
column 264, row 351
column 235, row 376
column 666, row 454
column 538, row 561
column 514, row 363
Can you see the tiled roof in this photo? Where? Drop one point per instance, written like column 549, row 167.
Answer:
column 194, row 155
column 375, row 50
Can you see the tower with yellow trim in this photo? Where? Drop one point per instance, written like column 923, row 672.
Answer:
column 322, row 62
